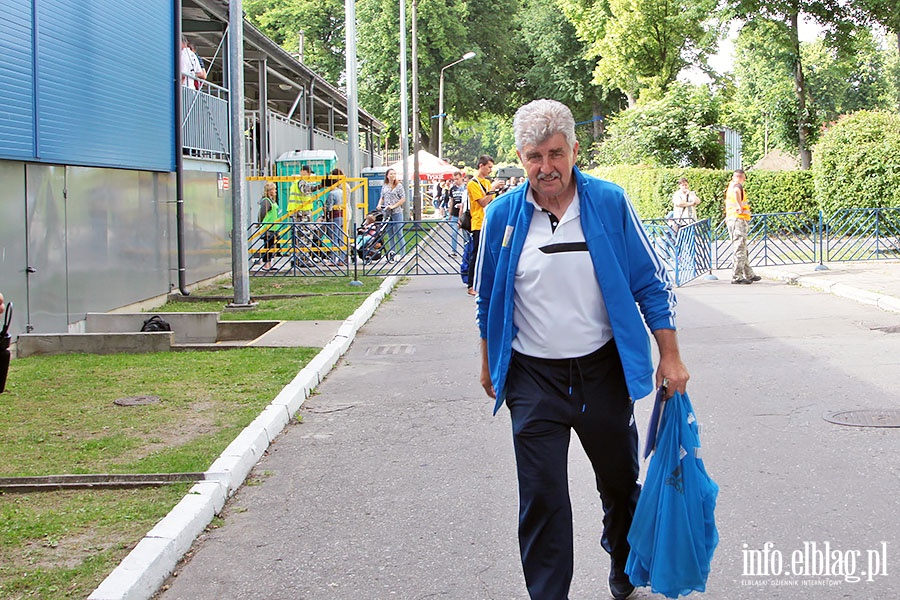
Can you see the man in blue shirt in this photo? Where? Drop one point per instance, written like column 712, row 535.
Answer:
column 565, row 281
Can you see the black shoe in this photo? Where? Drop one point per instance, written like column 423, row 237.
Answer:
column 741, row 281
column 756, row 278
column 620, row 586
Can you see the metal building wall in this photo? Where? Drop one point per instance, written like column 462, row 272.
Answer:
column 12, row 239
column 118, row 240
column 88, row 83
column 97, row 239
column 207, row 214
column 16, row 79
column 45, row 243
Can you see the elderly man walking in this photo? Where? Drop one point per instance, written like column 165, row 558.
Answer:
column 565, row 280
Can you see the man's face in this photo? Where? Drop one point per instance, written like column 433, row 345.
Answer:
column 485, row 169
column 549, row 165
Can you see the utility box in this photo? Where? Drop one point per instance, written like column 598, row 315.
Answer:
column 320, row 162
column 375, row 176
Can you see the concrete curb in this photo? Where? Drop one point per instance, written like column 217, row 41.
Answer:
column 155, row 557
column 823, row 284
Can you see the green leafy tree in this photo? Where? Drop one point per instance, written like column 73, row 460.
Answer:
column 322, row 26
column 447, row 29
column 849, row 79
column 678, row 130
column 640, row 46
column 887, row 14
column 556, row 68
column 832, row 15
column 763, row 107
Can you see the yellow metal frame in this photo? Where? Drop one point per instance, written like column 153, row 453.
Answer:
column 349, row 184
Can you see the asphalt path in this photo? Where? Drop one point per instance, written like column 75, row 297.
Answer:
column 398, row 483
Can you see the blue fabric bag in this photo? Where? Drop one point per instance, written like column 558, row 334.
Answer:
column 674, row 533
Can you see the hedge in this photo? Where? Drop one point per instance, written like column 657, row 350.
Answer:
column 858, row 162
column 856, row 165
column 768, row 191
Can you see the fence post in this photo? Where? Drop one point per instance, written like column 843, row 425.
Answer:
column 712, row 246
column 820, row 266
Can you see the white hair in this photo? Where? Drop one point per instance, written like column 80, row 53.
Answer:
column 539, row 120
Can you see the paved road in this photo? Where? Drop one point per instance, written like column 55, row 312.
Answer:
column 400, row 484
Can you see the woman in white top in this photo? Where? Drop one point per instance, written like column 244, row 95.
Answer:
column 684, row 202
column 393, row 196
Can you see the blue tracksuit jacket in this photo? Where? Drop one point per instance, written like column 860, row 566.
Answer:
column 632, row 278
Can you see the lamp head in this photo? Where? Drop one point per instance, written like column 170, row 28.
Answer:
column 468, row 55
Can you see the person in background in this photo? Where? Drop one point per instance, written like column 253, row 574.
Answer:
column 444, row 199
column 268, row 213
column 2, row 305
column 684, row 203
column 334, row 214
column 481, row 192
column 393, row 197
column 737, row 218
column 302, row 195
column 366, row 233
column 456, row 198
column 567, row 284
column 201, row 73
column 190, row 65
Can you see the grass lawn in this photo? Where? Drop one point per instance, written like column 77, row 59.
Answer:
column 323, row 298
column 58, row 416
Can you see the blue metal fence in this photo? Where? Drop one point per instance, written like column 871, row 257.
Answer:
column 775, row 239
column 688, row 248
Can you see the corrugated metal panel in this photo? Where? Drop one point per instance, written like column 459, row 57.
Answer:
column 105, row 83
column 16, row 80
column 733, row 149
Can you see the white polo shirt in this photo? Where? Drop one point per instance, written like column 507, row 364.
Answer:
column 558, row 307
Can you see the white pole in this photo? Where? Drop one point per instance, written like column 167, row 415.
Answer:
column 352, row 112
column 404, row 114
column 466, row 56
column 441, row 116
column 417, row 196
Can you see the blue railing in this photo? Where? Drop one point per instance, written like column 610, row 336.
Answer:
column 688, row 248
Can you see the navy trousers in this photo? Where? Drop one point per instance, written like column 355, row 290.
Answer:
column 547, row 399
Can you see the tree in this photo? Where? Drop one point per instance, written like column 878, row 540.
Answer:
column 640, row 46
column 886, row 14
column 678, row 130
column 322, row 25
column 447, row 29
column 843, row 81
column 762, row 107
column 556, row 67
column 832, row 15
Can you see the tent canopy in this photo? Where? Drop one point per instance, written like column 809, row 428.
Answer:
column 430, row 167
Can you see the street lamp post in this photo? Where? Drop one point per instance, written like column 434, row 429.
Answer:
column 466, row 56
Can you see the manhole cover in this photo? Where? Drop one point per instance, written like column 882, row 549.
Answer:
column 879, row 417
column 136, row 400
column 389, row 349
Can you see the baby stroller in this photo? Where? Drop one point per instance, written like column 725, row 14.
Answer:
column 370, row 236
